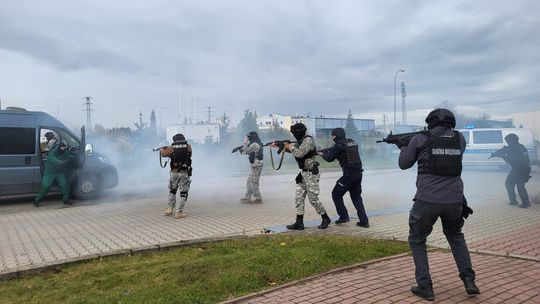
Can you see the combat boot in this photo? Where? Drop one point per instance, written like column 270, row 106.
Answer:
column 325, row 221
column 424, row 292
column 245, row 200
column 299, row 224
column 180, row 214
column 66, row 202
column 257, row 201
column 470, row 286
column 342, row 220
column 36, row 203
column 168, row 211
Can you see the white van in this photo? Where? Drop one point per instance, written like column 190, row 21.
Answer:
column 482, row 142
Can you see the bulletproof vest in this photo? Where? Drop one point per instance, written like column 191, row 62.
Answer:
column 256, row 155
column 518, row 157
column 444, row 155
column 181, row 158
column 350, row 158
column 302, row 160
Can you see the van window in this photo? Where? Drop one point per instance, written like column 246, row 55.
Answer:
column 487, row 137
column 466, row 135
column 17, row 140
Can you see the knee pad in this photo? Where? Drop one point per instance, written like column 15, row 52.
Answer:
column 172, row 191
column 184, row 194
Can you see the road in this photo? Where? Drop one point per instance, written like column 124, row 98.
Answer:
column 131, row 216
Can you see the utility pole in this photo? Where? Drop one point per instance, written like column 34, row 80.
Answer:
column 140, row 118
column 384, row 122
column 403, row 105
column 88, row 103
column 209, row 114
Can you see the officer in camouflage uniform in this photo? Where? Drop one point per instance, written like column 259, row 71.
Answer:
column 180, row 154
column 307, row 181
column 253, row 149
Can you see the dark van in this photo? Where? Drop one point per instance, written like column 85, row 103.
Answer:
column 23, row 151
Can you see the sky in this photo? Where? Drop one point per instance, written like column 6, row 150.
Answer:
column 282, row 57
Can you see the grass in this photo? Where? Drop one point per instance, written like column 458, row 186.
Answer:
column 203, row 273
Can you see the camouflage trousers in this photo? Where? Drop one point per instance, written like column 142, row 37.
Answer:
column 252, row 184
column 308, row 187
column 178, row 181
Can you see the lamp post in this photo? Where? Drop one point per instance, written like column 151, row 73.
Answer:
column 395, row 76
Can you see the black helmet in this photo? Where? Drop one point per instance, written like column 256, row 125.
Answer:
column 49, row 135
column 298, row 130
column 512, row 139
column 440, row 117
column 338, row 133
column 178, row 137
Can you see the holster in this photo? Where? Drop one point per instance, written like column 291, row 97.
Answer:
column 299, row 179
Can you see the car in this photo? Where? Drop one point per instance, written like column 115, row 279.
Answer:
column 23, row 151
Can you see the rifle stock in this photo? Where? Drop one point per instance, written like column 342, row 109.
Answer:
column 400, row 138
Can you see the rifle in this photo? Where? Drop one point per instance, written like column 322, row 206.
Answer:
column 400, row 139
column 281, row 147
column 237, row 149
column 163, row 165
column 499, row 153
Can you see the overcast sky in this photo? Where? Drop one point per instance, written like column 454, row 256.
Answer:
column 284, row 57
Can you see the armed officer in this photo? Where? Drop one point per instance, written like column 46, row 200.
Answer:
column 60, row 160
column 307, row 181
column 253, row 149
column 439, row 154
column 346, row 152
column 180, row 154
column 517, row 156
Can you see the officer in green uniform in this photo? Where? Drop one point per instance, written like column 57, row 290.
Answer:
column 56, row 166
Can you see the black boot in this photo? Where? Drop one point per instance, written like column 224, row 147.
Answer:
column 470, row 287
column 299, row 224
column 424, row 292
column 36, row 203
column 325, row 221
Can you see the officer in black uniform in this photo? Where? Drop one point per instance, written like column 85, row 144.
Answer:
column 517, row 156
column 346, row 152
column 439, row 154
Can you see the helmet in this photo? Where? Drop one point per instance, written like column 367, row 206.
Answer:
column 338, row 133
column 439, row 117
column 178, row 137
column 49, row 135
column 298, row 130
column 511, row 139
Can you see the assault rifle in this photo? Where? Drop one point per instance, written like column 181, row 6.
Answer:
column 237, row 149
column 499, row 153
column 280, row 144
column 163, row 165
column 402, row 139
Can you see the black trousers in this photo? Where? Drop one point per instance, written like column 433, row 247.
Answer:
column 351, row 182
column 421, row 220
column 517, row 179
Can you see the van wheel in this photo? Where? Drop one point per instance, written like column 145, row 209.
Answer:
column 87, row 187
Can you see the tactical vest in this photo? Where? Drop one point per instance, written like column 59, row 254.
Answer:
column 351, row 156
column 256, row 155
column 302, row 160
column 181, row 157
column 444, row 155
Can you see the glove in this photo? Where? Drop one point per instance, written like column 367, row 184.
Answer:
column 402, row 143
column 466, row 209
column 299, row 179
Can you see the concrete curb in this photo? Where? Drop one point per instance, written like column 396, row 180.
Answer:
column 313, row 277
column 45, row 267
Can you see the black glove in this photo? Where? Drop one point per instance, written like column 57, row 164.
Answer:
column 299, row 179
column 466, row 209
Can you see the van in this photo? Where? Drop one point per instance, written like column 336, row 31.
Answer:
column 482, row 142
column 23, row 155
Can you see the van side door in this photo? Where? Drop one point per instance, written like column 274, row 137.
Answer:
column 18, row 159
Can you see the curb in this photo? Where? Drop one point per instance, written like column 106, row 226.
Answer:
column 313, row 277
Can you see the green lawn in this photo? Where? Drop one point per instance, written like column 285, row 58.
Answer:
column 202, row 273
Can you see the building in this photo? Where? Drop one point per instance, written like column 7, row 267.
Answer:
column 266, row 122
column 197, row 133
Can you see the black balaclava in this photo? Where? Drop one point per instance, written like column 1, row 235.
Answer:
column 298, row 130
column 512, row 139
column 338, row 133
column 178, row 137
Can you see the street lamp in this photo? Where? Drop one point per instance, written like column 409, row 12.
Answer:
column 395, row 76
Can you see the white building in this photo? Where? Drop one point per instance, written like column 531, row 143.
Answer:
column 200, row 133
column 266, row 122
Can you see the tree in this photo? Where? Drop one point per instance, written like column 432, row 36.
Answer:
column 350, row 128
column 224, row 123
column 153, row 125
column 248, row 123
